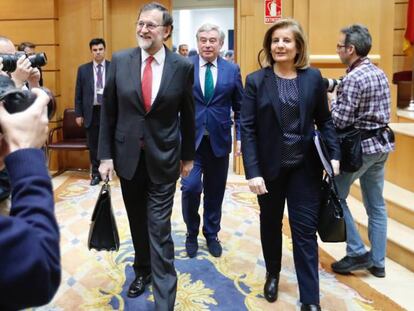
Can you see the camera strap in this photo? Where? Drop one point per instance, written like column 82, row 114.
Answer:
column 355, row 64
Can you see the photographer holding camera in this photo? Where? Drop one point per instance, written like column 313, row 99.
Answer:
column 29, row 49
column 24, row 72
column 24, row 76
column 30, row 270
column 363, row 101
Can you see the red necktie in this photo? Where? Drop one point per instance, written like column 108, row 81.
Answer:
column 146, row 83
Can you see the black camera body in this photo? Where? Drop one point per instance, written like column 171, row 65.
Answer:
column 17, row 100
column 330, row 84
column 10, row 60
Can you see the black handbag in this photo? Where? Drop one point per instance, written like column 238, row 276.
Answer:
column 103, row 232
column 351, row 150
column 331, row 222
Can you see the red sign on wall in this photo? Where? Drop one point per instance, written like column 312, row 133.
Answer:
column 272, row 10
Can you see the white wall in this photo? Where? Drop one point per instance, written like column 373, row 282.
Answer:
column 186, row 23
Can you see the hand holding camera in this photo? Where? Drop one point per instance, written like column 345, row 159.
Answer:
column 24, row 67
column 26, row 129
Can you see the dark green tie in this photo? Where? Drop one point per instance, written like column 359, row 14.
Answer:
column 208, row 84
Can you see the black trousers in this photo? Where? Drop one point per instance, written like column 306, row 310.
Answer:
column 302, row 192
column 149, row 209
column 92, row 135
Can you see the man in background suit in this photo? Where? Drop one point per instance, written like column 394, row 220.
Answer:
column 147, row 136
column 217, row 90
column 90, row 84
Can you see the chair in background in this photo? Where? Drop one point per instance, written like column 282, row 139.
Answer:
column 73, row 136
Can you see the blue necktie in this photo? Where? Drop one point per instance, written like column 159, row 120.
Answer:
column 208, row 83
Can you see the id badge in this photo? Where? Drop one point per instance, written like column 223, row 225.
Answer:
column 99, row 91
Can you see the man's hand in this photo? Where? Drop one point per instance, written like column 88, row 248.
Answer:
column 186, row 167
column 238, row 148
column 335, row 167
column 257, row 185
column 106, row 169
column 22, row 72
column 79, row 121
column 34, row 78
column 26, row 129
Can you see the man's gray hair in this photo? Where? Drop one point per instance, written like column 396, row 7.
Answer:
column 358, row 35
column 209, row 27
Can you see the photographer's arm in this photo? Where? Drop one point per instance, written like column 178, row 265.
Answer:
column 29, row 239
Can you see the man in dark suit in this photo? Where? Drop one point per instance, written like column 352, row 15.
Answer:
column 147, row 135
column 217, row 91
column 90, row 84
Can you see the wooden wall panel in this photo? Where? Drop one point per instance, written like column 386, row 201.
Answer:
column 400, row 15
column 52, row 52
column 37, row 31
column 27, row 9
column 402, row 62
column 398, row 42
column 327, row 17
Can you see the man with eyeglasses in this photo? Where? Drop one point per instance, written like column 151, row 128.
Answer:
column 363, row 101
column 147, row 136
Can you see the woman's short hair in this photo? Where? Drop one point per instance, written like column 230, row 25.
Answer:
column 302, row 57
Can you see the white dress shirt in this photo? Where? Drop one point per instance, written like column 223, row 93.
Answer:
column 202, row 72
column 157, row 66
column 95, row 71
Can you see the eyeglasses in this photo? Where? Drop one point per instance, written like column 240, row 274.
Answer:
column 150, row 26
column 340, row 46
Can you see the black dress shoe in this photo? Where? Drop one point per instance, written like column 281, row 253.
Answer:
column 95, row 181
column 137, row 287
column 309, row 307
column 214, row 247
column 191, row 246
column 271, row 287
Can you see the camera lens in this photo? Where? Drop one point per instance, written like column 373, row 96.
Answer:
column 38, row 60
column 9, row 62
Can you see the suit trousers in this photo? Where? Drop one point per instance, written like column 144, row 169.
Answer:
column 149, row 208
column 92, row 135
column 209, row 174
column 301, row 190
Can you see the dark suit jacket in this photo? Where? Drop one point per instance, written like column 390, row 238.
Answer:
column 261, row 128
column 124, row 122
column 216, row 114
column 85, row 91
column 29, row 238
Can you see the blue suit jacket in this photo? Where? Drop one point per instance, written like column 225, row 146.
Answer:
column 215, row 116
column 29, row 238
column 261, row 129
column 85, row 91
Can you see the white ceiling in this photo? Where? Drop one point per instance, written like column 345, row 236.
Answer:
column 201, row 4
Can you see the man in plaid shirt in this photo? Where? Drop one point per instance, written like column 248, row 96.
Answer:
column 363, row 100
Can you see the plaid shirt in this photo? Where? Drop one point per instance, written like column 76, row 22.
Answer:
column 363, row 100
